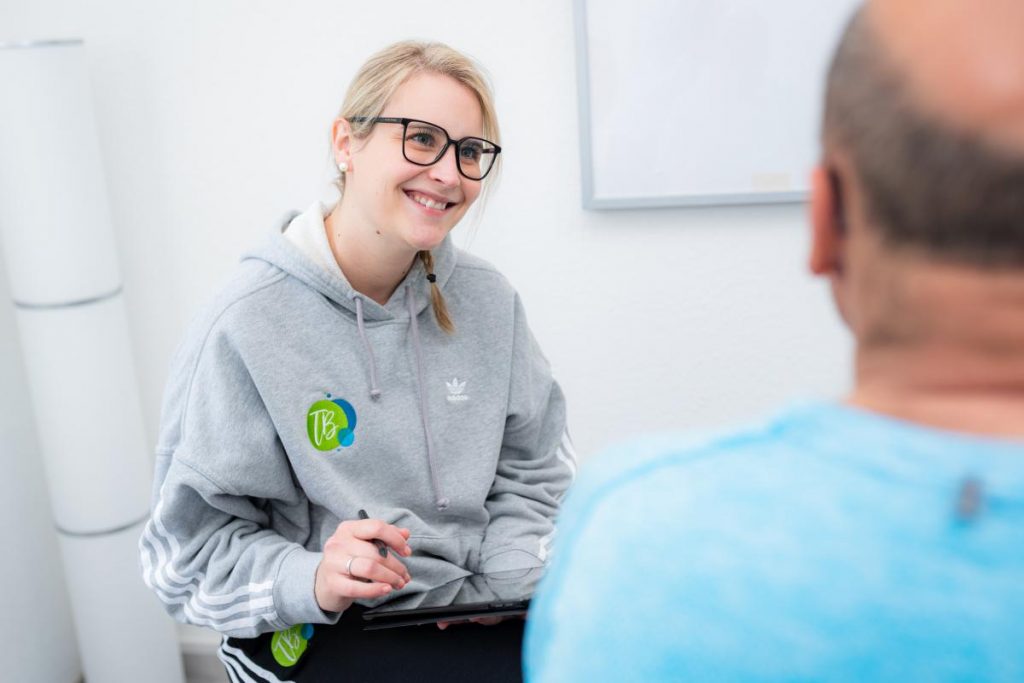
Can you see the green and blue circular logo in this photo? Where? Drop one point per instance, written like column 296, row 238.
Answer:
column 331, row 424
column 288, row 645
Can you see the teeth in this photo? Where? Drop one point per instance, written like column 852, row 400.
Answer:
column 429, row 203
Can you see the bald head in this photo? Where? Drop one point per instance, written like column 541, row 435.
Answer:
column 961, row 60
column 925, row 99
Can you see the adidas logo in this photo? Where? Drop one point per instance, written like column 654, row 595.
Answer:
column 455, row 389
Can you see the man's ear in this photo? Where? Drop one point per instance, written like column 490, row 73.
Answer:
column 341, row 142
column 828, row 221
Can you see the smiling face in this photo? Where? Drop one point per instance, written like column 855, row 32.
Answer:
column 412, row 207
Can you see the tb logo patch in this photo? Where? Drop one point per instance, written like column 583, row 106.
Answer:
column 288, row 645
column 331, row 424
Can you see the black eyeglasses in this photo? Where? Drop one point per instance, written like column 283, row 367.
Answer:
column 424, row 144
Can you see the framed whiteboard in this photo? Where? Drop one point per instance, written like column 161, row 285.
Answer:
column 698, row 102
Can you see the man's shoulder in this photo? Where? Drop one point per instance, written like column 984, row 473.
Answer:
column 669, row 455
column 704, row 483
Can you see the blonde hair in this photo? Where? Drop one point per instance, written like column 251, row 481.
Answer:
column 375, row 84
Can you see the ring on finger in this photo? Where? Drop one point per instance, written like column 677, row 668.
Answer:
column 348, row 566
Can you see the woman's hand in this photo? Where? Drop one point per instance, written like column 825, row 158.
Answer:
column 353, row 569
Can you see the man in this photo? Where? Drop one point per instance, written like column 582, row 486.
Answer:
column 882, row 537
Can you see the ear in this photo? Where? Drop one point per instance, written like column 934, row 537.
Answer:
column 827, row 222
column 341, row 141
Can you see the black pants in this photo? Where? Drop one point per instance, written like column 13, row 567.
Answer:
column 345, row 652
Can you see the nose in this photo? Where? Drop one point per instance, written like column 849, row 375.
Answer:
column 445, row 170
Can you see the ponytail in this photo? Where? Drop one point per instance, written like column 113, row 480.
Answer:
column 444, row 320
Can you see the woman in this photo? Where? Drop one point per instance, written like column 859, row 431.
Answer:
column 359, row 361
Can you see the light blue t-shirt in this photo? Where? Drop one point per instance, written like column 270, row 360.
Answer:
column 830, row 544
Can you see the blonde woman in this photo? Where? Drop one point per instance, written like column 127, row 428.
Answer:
column 359, row 361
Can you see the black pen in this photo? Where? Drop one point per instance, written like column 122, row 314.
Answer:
column 381, row 548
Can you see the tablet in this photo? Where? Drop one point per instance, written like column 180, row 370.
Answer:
column 497, row 594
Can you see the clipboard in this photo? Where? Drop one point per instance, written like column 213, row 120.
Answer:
column 495, row 594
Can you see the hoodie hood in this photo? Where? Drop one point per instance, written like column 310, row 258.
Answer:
column 293, row 259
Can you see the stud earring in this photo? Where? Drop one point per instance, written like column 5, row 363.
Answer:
column 342, row 166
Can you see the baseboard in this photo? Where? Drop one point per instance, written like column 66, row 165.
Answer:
column 199, row 653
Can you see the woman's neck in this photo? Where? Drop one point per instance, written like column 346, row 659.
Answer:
column 371, row 265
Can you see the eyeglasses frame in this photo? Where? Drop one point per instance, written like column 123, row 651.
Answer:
column 444, row 150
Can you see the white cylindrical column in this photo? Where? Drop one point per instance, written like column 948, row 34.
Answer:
column 89, row 422
column 33, row 597
column 62, row 265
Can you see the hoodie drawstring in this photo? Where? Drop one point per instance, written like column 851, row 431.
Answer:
column 374, row 387
column 441, row 502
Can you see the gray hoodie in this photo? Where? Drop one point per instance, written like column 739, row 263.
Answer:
column 295, row 401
